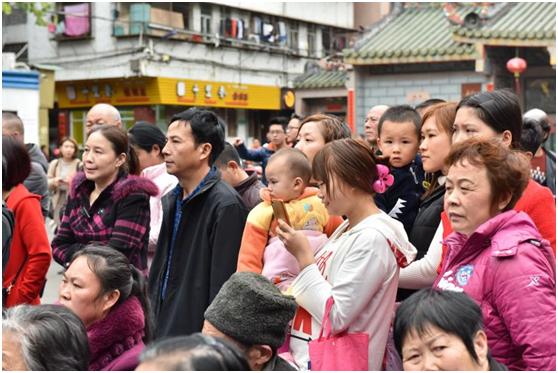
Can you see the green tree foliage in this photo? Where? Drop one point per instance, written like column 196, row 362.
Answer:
column 40, row 10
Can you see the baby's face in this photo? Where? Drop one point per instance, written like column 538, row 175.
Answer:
column 399, row 142
column 280, row 181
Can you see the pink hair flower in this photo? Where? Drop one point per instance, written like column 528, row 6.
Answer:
column 385, row 179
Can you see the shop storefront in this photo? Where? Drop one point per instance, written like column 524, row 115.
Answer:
column 245, row 107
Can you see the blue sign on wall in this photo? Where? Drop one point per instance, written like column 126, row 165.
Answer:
column 20, row 79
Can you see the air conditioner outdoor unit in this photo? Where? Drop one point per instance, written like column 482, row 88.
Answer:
column 138, row 66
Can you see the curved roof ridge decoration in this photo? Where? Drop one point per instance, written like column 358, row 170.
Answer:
column 530, row 24
column 414, row 34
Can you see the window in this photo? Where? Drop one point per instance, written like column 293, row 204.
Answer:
column 255, row 29
column 311, row 40
column 293, row 37
column 268, row 29
column 180, row 10
column 540, row 93
column 225, row 23
column 327, row 41
column 153, row 19
column 206, row 18
column 339, row 42
column 74, row 21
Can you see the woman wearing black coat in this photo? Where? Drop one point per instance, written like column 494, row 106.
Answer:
column 426, row 233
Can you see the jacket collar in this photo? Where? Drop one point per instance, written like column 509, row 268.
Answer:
column 209, row 180
column 81, row 185
column 123, row 186
column 124, row 325
column 436, row 194
column 504, row 232
column 152, row 172
column 248, row 182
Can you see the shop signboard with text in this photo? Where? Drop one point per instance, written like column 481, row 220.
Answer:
column 117, row 92
column 167, row 91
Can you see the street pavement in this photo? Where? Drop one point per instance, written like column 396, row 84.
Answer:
column 54, row 277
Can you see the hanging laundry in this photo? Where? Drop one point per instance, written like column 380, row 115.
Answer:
column 240, row 34
column 282, row 39
column 60, row 28
column 222, row 27
column 76, row 19
column 257, row 25
column 228, row 27
column 268, row 32
column 234, row 24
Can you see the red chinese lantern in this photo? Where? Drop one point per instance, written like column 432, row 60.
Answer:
column 516, row 66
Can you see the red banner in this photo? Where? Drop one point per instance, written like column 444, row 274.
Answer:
column 62, row 124
column 351, row 109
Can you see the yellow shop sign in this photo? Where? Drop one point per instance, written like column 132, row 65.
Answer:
column 167, row 91
column 117, row 92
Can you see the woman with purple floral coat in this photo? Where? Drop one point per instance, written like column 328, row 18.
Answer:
column 107, row 203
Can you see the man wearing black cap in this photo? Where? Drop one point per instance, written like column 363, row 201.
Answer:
column 251, row 312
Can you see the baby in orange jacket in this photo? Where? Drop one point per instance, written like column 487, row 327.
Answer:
column 288, row 173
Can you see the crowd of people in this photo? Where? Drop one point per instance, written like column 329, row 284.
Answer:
column 430, row 238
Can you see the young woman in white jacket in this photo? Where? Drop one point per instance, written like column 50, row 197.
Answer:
column 359, row 266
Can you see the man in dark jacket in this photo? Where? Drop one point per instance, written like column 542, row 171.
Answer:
column 203, row 221
column 37, row 181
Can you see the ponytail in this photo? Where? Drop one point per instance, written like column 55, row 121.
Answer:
column 120, row 144
column 132, row 162
column 139, row 290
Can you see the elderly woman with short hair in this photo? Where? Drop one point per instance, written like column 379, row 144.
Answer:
column 497, row 256
column 43, row 337
column 442, row 330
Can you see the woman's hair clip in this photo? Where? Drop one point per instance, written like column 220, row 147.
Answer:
column 385, row 179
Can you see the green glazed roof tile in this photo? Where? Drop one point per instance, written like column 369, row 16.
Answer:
column 514, row 22
column 423, row 33
column 417, row 34
column 322, row 79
